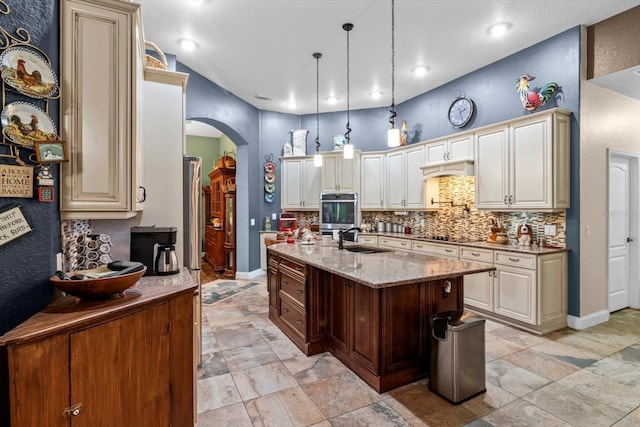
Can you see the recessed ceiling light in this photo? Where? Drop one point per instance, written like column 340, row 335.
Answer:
column 636, row 72
column 292, row 104
column 187, row 44
column 499, row 29
column 332, row 100
column 376, row 94
column 420, row 70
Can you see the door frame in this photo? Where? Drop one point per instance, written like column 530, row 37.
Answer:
column 634, row 225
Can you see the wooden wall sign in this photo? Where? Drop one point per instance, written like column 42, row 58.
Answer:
column 13, row 224
column 16, row 181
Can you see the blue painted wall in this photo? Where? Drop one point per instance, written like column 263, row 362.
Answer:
column 26, row 263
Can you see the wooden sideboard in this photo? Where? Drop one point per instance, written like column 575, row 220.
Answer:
column 116, row 361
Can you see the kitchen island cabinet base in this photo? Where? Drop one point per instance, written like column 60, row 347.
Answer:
column 383, row 334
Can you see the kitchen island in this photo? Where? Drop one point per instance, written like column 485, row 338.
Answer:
column 372, row 310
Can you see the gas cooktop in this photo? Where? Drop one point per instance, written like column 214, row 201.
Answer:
column 443, row 239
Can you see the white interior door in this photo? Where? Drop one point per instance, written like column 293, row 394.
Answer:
column 619, row 238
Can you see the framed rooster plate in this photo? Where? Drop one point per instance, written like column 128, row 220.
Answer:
column 29, row 73
column 24, row 124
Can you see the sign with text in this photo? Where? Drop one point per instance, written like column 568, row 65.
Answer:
column 16, row 181
column 13, row 224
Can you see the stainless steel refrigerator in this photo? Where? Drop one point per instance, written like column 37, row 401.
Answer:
column 192, row 231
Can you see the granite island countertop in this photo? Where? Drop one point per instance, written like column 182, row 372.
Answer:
column 377, row 270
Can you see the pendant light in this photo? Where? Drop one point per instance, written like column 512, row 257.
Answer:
column 348, row 147
column 393, row 134
column 317, row 158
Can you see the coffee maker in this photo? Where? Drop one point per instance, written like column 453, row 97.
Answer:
column 155, row 247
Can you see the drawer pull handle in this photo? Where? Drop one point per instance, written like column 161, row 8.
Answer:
column 299, row 322
column 448, row 250
column 514, row 259
column 419, row 246
column 285, row 282
column 475, row 254
column 299, row 291
column 404, row 243
column 285, row 310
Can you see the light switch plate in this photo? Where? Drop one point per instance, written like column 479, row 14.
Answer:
column 59, row 265
column 253, row 221
column 273, row 216
column 549, row 230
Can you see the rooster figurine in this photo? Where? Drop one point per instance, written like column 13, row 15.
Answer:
column 531, row 101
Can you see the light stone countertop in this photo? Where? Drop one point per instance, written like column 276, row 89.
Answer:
column 478, row 244
column 378, row 270
column 183, row 278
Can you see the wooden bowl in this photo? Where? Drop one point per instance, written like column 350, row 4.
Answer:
column 96, row 287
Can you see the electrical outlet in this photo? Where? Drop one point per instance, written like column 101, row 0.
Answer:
column 549, row 230
column 253, row 221
column 59, row 266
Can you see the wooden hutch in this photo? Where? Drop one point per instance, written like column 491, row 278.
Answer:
column 220, row 216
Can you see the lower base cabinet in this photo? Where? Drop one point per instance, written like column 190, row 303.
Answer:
column 381, row 334
column 121, row 362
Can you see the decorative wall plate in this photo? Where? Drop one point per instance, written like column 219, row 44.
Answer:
column 270, row 177
column 269, row 197
column 28, row 72
column 24, row 123
column 269, row 187
column 269, row 167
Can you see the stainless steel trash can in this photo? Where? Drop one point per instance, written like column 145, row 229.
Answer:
column 457, row 357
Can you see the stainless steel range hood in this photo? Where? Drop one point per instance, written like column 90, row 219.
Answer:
column 461, row 168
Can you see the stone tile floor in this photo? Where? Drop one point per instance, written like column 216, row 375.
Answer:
column 252, row 375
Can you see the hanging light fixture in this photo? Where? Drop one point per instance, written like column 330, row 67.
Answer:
column 348, row 147
column 393, row 134
column 317, row 158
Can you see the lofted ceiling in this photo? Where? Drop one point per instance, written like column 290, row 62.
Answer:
column 261, row 50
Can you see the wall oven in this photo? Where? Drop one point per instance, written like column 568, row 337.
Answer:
column 339, row 211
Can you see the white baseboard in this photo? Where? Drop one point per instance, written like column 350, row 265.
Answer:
column 587, row 321
column 251, row 274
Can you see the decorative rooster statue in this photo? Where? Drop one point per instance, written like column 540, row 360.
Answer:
column 531, row 101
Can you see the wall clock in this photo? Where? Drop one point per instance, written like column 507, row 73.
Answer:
column 460, row 111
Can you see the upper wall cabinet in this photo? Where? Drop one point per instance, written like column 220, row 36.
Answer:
column 524, row 164
column 372, row 180
column 102, row 55
column 300, row 183
column 450, row 150
column 339, row 174
column 403, row 178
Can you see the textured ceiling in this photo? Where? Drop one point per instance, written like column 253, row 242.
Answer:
column 263, row 48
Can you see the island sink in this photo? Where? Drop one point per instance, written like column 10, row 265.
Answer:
column 365, row 249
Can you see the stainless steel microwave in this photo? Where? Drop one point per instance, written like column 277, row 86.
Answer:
column 338, row 211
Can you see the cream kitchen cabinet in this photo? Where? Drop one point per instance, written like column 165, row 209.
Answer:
column 339, row 174
column 478, row 287
column 372, row 170
column 300, row 184
column 525, row 290
column 403, row 178
column 449, row 150
column 435, row 249
column 367, row 239
column 394, row 243
column 524, row 163
column 102, row 54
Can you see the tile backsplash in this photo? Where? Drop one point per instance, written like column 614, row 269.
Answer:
column 456, row 222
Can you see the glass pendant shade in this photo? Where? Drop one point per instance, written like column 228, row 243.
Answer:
column 317, row 160
column 348, row 151
column 393, row 137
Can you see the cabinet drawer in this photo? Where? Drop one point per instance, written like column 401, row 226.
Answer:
column 435, row 249
column 293, row 287
column 392, row 242
column 294, row 266
column 514, row 259
column 475, row 254
column 368, row 240
column 293, row 317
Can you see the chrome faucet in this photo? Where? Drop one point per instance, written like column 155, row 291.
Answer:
column 341, row 234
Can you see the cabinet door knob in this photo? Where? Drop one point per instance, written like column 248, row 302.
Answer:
column 285, row 310
column 299, row 322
